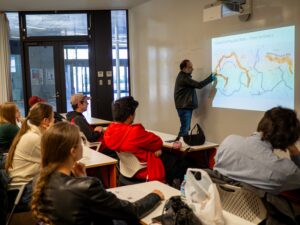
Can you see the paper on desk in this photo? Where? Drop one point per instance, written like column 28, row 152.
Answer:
column 129, row 194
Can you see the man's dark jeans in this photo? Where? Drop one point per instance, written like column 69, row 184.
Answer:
column 185, row 116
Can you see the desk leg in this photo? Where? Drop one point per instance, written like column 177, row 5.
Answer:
column 112, row 176
column 107, row 174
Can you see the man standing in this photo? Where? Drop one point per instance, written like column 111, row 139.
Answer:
column 185, row 94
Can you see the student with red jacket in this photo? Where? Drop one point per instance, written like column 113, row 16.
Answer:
column 123, row 135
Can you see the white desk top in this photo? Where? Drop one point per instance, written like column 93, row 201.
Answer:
column 92, row 120
column 137, row 191
column 166, row 137
column 95, row 121
column 91, row 158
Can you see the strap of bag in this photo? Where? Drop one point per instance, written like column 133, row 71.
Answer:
column 198, row 129
column 194, row 128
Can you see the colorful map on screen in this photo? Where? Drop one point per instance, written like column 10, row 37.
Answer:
column 255, row 70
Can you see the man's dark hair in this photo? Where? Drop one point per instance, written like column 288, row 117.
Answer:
column 123, row 108
column 280, row 126
column 183, row 64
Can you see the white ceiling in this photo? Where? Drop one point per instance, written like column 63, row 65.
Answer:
column 44, row 5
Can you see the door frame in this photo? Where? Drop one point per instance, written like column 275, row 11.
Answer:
column 59, row 68
column 100, row 59
column 56, row 62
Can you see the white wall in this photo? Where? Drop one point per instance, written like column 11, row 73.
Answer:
column 163, row 32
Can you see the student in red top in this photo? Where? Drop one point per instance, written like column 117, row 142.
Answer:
column 123, row 135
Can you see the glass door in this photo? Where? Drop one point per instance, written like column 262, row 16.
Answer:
column 57, row 70
column 41, row 73
column 77, row 72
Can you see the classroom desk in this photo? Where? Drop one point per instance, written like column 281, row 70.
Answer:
column 166, row 137
column 199, row 154
column 93, row 159
column 93, row 121
column 137, row 191
column 98, row 122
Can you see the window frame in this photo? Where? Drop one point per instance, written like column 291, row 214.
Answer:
column 25, row 38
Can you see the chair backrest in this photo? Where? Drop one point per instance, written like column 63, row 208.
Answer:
column 93, row 145
column 129, row 164
column 4, row 181
column 19, row 189
column 242, row 203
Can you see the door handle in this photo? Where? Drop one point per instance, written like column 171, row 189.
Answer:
column 57, row 95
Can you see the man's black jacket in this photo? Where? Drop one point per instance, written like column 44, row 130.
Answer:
column 79, row 119
column 185, row 94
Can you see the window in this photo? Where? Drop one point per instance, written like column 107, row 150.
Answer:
column 120, row 53
column 77, row 71
column 51, row 25
column 15, row 57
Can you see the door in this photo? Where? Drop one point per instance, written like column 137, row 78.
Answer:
column 42, row 73
column 57, row 70
column 63, row 58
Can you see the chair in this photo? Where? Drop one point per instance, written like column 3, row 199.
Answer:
column 129, row 165
column 93, row 145
column 10, row 196
column 242, row 203
column 15, row 192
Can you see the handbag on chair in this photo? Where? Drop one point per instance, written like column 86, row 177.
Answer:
column 195, row 138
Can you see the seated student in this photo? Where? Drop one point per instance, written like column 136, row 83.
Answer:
column 123, row 135
column 251, row 159
column 9, row 114
column 80, row 103
column 35, row 99
column 63, row 194
column 24, row 156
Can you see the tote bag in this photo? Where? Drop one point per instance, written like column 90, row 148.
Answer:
column 203, row 198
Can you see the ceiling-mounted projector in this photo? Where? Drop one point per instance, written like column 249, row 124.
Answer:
column 223, row 8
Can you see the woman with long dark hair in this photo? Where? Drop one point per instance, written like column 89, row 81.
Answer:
column 64, row 195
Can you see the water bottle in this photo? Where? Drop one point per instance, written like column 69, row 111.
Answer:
column 182, row 187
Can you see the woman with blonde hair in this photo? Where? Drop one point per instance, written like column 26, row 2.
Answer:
column 62, row 199
column 9, row 114
column 24, row 156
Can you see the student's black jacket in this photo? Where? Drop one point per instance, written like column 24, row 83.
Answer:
column 70, row 200
column 84, row 126
column 184, row 93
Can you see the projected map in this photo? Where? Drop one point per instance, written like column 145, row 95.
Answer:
column 255, row 70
